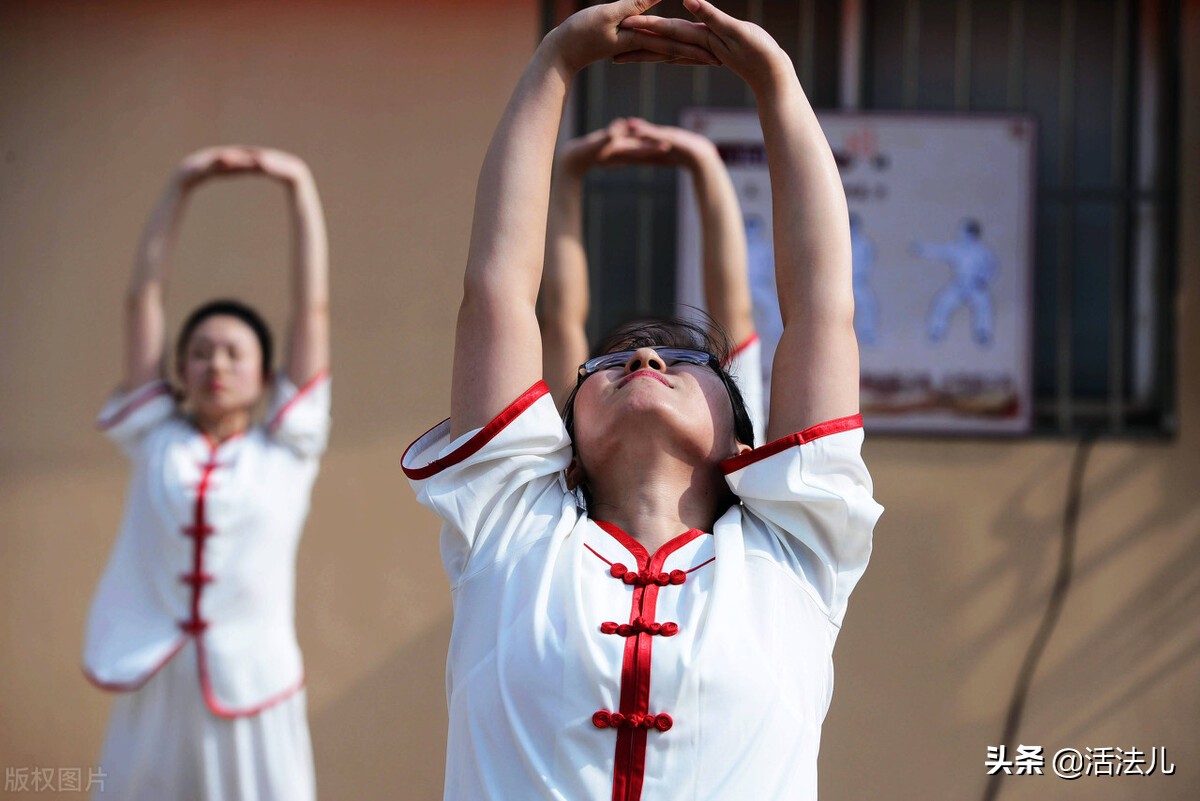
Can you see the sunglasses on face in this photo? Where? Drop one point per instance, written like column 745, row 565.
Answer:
column 669, row 356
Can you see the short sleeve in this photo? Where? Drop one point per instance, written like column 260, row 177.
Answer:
column 745, row 366
column 496, row 489
column 127, row 417
column 299, row 416
column 812, row 491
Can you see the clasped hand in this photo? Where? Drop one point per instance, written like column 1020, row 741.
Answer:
column 623, row 32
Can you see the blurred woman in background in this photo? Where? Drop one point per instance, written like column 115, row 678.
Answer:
column 193, row 618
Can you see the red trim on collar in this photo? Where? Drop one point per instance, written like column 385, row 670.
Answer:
column 481, row 437
column 277, row 419
column 644, row 560
column 140, row 398
column 735, row 463
column 750, row 340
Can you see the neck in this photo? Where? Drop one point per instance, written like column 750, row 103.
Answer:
column 654, row 499
column 222, row 427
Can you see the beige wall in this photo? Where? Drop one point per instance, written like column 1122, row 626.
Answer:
column 392, row 104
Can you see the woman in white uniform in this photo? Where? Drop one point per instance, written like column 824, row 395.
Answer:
column 563, row 301
column 192, row 621
column 671, row 636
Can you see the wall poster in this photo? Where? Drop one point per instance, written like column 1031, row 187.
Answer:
column 941, row 211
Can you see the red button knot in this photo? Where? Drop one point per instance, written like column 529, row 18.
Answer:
column 200, row 532
column 639, row 626
column 603, row 719
column 193, row 626
column 642, row 578
column 196, row 579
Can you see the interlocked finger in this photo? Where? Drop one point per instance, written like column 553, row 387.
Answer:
column 681, row 30
column 668, row 48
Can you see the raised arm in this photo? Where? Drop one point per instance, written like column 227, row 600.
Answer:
column 723, row 249
column 308, row 341
column 145, row 321
column 815, row 376
column 497, row 352
column 563, row 302
column 564, row 299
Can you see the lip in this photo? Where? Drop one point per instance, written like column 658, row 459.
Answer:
column 659, row 377
column 214, row 386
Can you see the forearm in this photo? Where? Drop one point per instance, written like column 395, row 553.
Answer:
column 144, row 318
column 308, row 353
column 810, row 216
column 564, row 299
column 724, row 261
column 158, row 238
column 310, row 248
column 514, row 184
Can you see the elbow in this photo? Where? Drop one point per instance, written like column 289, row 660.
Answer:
column 143, row 296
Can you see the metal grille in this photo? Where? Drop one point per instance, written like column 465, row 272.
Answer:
column 1100, row 78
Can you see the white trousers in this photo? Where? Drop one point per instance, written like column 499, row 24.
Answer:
column 163, row 744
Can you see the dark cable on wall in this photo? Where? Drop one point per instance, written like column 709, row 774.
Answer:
column 1058, row 598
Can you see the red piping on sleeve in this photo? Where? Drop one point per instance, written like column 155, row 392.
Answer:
column 140, row 399
column 735, row 463
column 277, row 419
column 481, row 437
column 750, row 340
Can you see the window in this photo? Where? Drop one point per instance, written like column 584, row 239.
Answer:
column 1100, row 78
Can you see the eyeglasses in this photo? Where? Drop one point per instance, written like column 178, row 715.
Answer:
column 669, row 356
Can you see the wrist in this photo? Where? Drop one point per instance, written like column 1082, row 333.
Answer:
column 551, row 56
column 776, row 78
column 699, row 155
column 569, row 169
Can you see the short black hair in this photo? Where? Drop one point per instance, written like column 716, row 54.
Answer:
column 228, row 308
column 707, row 335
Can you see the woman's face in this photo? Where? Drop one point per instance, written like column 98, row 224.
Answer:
column 683, row 405
column 222, row 370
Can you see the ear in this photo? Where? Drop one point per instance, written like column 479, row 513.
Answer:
column 743, row 448
column 575, row 474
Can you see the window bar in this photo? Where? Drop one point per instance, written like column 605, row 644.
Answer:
column 1123, row 31
column 754, row 13
column 1066, row 225
column 700, row 86
column 1148, row 148
column 1170, row 22
column 851, row 61
column 912, row 43
column 645, row 198
column 806, row 45
column 962, row 56
column 1015, row 96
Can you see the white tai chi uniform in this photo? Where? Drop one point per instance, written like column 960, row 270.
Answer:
column 583, row 667
column 194, row 615
column 745, row 366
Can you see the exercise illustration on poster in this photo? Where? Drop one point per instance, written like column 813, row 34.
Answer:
column 940, row 232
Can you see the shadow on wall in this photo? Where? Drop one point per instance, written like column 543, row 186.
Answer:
column 405, row 699
column 1130, row 627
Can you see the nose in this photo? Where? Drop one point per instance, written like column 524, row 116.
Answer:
column 218, row 361
column 645, row 359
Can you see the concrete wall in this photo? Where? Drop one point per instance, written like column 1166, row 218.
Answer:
column 392, row 104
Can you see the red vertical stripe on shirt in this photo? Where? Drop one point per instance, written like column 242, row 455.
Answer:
column 629, row 768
